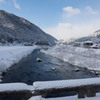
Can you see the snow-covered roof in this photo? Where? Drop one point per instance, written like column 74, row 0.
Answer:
column 77, row 42
column 88, row 42
column 95, row 45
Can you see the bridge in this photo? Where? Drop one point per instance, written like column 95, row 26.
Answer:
column 84, row 87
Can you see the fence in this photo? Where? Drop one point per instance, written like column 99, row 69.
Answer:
column 83, row 87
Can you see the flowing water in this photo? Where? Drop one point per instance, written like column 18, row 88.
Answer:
column 29, row 70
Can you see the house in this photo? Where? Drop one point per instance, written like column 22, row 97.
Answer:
column 87, row 44
column 77, row 44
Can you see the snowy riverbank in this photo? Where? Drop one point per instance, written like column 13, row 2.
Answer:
column 10, row 55
column 82, row 57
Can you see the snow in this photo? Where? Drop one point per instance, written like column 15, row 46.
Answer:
column 66, row 98
column 36, row 98
column 75, row 98
column 10, row 55
column 83, row 57
column 65, row 83
column 14, row 87
column 88, row 42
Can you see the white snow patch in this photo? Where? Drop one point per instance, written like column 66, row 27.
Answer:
column 36, row 98
column 66, row 98
column 83, row 57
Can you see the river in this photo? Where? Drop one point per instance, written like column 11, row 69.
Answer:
column 29, row 70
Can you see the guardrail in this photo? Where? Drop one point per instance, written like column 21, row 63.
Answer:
column 16, row 89
column 83, row 87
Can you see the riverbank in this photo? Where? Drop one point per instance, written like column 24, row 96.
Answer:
column 78, row 56
column 10, row 55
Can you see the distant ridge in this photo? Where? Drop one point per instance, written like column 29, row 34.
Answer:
column 14, row 28
column 94, row 37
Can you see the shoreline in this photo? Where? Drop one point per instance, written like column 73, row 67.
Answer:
column 13, row 55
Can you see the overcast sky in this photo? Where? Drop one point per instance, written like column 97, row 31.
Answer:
column 63, row 19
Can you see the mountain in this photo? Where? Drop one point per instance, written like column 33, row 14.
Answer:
column 97, row 33
column 95, row 37
column 14, row 28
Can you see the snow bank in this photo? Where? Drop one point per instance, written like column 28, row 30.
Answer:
column 11, row 55
column 36, row 98
column 66, row 98
column 82, row 57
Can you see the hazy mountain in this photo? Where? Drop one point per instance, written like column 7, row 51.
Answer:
column 14, row 28
column 95, row 37
column 97, row 33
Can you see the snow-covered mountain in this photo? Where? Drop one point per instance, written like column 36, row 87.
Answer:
column 97, row 33
column 14, row 28
column 95, row 37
